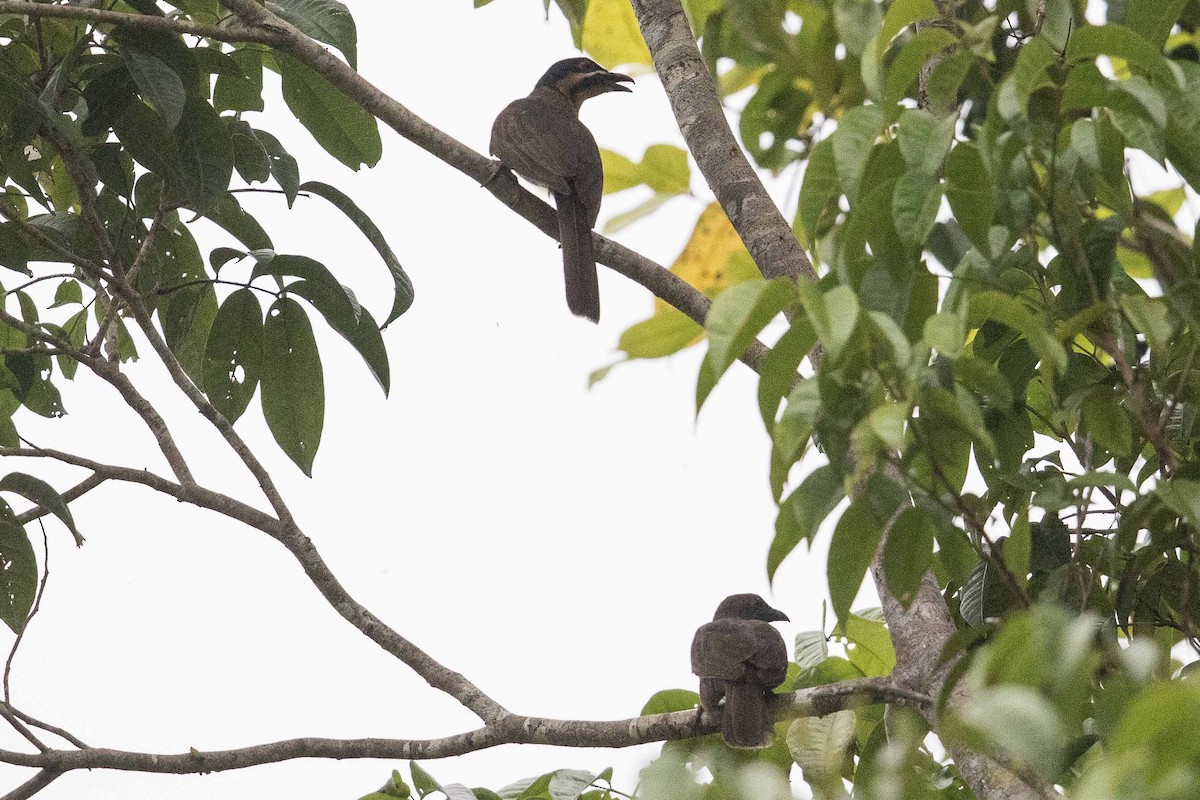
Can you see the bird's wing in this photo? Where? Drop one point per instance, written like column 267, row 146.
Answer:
column 541, row 142
column 768, row 663
column 729, row 649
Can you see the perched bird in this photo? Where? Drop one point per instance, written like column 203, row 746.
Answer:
column 541, row 138
column 740, row 658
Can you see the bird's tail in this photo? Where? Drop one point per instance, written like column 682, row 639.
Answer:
column 579, row 261
column 746, row 720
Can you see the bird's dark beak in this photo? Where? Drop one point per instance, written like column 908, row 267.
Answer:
column 605, row 81
column 615, row 80
column 775, row 615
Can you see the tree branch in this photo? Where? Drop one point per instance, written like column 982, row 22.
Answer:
column 513, row 729
column 96, row 16
column 701, row 119
column 660, row 281
column 32, row 786
column 72, row 494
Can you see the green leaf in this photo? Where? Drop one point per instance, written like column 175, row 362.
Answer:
column 665, row 333
column 946, row 332
column 915, row 203
column 151, row 143
column 779, row 367
column 802, row 513
column 205, row 153
column 250, row 157
column 853, row 142
column 423, row 782
column 971, row 191
column 855, row 540
column 820, row 189
column 403, row 289
column 1018, row 547
column 157, row 83
column 293, row 384
column 643, row 209
column 887, row 422
column 75, row 329
column 326, row 21
column 1012, row 312
column 18, row 575
column 284, row 168
column 620, row 173
column 669, row 700
column 818, row 745
column 1183, row 497
column 914, row 53
column 869, row 643
column 1108, row 422
column 857, row 21
column 833, row 315
column 1090, row 41
column 925, row 139
column 227, row 212
column 37, row 491
column 908, row 553
column 569, row 784
column 1139, row 132
column 343, row 128
column 1149, row 316
column 737, row 316
column 67, row 292
column 901, row 14
column 234, row 353
column 665, row 169
column 811, row 649
column 1028, row 75
column 1022, row 724
column 241, row 92
column 1153, row 19
column 394, row 789
column 187, row 319
column 359, row 329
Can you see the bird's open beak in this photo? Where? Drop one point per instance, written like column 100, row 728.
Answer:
column 605, row 81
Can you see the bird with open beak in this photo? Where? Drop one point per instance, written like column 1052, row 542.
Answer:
column 740, row 659
column 540, row 138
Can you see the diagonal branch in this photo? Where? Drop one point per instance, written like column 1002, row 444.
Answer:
column 301, row 547
column 658, row 280
column 702, row 121
column 29, row 788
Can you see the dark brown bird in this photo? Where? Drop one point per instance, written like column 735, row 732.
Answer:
column 541, row 138
column 740, row 658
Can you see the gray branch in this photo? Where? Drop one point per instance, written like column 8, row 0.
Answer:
column 701, row 119
column 512, row 729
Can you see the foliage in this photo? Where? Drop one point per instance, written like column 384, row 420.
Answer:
column 116, row 139
column 1007, row 320
column 1004, row 386
column 1012, row 368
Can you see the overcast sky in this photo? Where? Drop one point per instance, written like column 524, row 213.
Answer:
column 557, row 545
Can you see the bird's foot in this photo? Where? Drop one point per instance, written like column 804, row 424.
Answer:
column 498, row 169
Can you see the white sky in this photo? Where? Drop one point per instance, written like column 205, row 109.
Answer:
column 557, row 545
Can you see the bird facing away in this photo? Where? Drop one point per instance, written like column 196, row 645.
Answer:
column 541, row 138
column 740, row 658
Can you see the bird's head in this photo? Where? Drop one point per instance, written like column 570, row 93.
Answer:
column 748, row 606
column 580, row 78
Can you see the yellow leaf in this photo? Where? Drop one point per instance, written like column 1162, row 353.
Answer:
column 611, row 34
column 714, row 256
